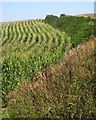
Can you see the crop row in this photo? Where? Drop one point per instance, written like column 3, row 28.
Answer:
column 28, row 47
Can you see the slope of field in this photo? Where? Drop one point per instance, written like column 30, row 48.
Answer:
column 28, row 47
column 25, row 36
column 64, row 90
column 35, row 79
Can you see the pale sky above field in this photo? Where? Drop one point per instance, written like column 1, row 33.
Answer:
column 31, row 10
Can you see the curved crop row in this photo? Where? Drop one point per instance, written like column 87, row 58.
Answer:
column 28, row 47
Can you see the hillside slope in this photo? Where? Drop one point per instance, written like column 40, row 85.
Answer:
column 64, row 90
column 27, row 48
column 24, row 36
column 40, row 77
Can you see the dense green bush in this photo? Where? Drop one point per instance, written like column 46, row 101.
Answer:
column 78, row 28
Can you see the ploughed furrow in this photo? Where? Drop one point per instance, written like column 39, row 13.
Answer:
column 43, row 30
column 30, row 33
column 39, row 37
column 48, row 36
column 54, row 38
column 20, row 32
column 38, row 31
column 61, row 42
column 25, row 36
column 4, row 24
column 48, row 44
column 28, row 30
column 5, row 39
column 21, row 36
column 10, row 33
column 8, row 45
column 32, row 25
column 16, row 35
column 37, row 40
column 2, row 34
column 24, row 59
column 13, row 43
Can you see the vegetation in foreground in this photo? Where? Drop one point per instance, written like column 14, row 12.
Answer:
column 65, row 89
column 28, row 47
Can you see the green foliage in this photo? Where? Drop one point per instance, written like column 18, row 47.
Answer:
column 43, row 49
column 51, row 19
column 31, row 46
column 18, row 69
column 78, row 28
column 61, row 94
